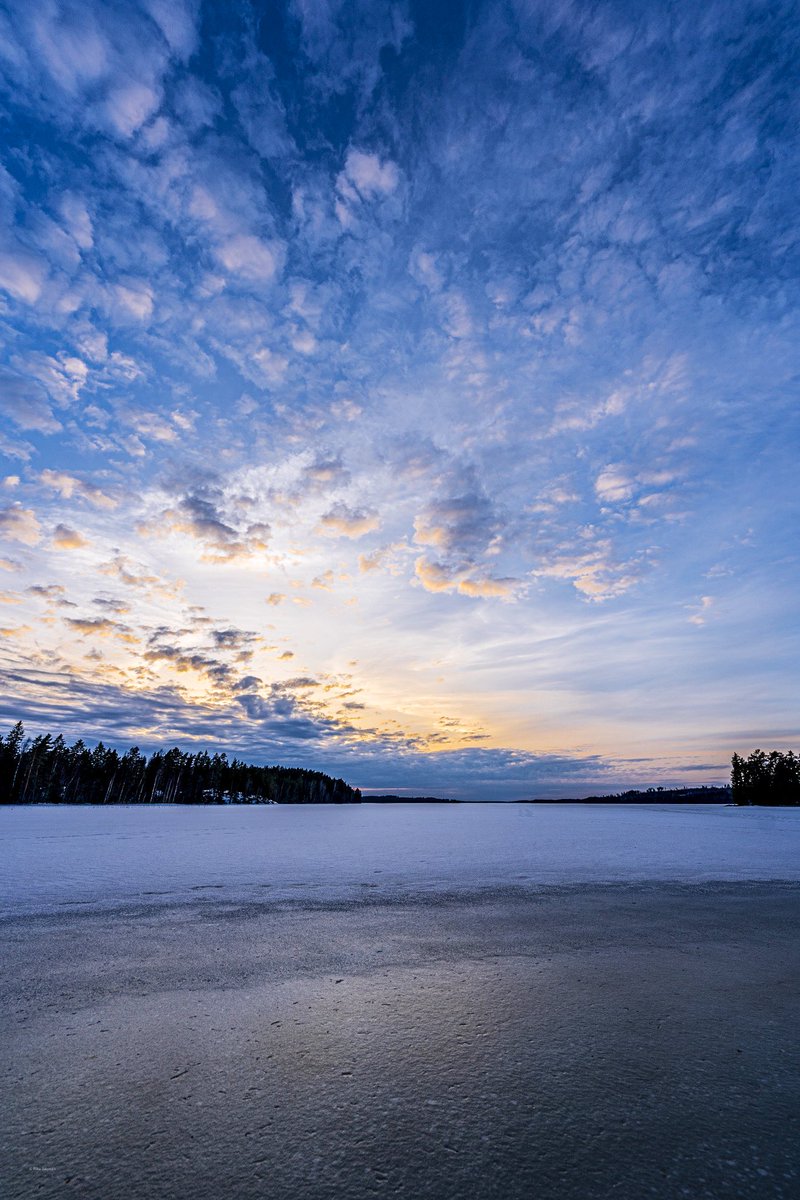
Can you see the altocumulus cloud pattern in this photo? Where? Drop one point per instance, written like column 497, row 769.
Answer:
column 408, row 390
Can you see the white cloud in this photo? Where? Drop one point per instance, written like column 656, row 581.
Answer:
column 594, row 573
column 20, row 525
column 148, row 425
column 135, row 299
column 614, row 485
column 62, row 377
column 177, row 21
column 24, row 402
column 71, row 47
column 22, row 275
column 129, row 106
column 271, row 367
column 92, row 342
column 303, row 341
column 369, row 175
column 424, row 267
column 250, row 258
column 701, row 611
column 341, row 521
column 67, row 486
column 457, row 319
column 467, row 581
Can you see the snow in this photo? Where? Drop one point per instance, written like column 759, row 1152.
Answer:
column 66, row 856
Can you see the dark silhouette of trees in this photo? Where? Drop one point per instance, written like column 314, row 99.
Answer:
column 766, row 778
column 45, row 770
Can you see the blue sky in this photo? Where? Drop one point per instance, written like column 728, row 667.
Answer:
column 406, row 390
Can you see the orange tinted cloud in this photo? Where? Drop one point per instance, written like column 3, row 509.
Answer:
column 65, row 538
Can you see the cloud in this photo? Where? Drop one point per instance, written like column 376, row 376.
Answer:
column 460, row 524
column 266, row 367
column 188, row 660
column 425, row 268
column 467, row 534
column 456, row 316
column 342, row 521
column 137, row 575
column 97, row 626
column 197, row 104
column 701, row 611
column 613, row 485
column 67, row 486
column 177, row 20
column 50, row 591
column 131, row 299
column 25, row 402
column 370, row 176
column 325, row 473
column 492, row 774
column 77, row 219
column 366, row 183
column 199, row 517
column 371, row 562
column 130, row 105
column 232, row 639
column 22, row 275
column 63, row 377
column 20, row 525
column 152, row 426
column 250, row 258
column 22, row 451
column 486, row 587
column 65, row 538
column 434, row 576
column 104, row 65
column 439, row 577
column 299, row 683
column 111, row 604
column 594, row 572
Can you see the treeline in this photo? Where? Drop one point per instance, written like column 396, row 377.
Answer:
column 653, row 795
column 766, row 778
column 45, row 770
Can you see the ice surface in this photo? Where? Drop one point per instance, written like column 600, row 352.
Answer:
column 70, row 856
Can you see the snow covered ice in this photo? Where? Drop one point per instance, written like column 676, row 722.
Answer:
column 64, row 856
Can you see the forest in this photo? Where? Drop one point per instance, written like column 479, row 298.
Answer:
column 45, row 770
column 769, row 779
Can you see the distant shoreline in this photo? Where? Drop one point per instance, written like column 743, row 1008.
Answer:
column 698, row 795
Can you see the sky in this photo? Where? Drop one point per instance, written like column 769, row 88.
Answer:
column 404, row 390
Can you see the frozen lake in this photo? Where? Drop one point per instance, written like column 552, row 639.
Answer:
column 72, row 856
column 172, row 1030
